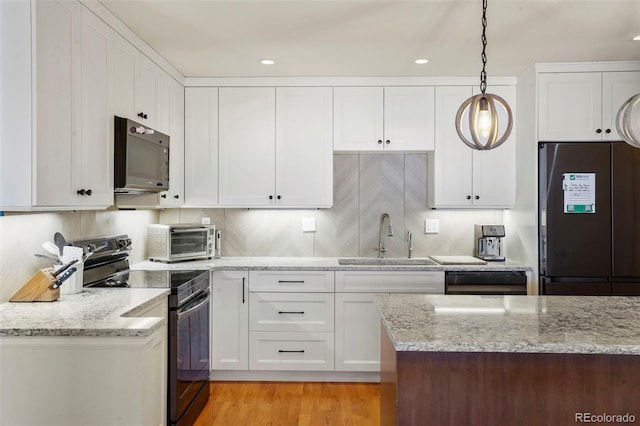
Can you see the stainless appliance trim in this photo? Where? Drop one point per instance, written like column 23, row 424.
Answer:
column 202, row 299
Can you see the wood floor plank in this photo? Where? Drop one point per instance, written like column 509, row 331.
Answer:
column 291, row 404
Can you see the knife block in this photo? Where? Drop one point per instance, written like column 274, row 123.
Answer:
column 37, row 289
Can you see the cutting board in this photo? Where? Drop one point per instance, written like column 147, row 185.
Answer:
column 458, row 260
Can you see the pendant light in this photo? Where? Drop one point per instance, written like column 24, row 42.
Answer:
column 483, row 116
column 628, row 121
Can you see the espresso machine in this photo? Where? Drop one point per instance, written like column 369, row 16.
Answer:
column 489, row 242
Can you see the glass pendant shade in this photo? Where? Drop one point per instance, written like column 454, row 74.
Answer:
column 628, row 121
column 484, row 121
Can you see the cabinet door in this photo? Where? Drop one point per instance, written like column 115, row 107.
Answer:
column 494, row 171
column 617, row 88
column 57, row 160
column 148, row 96
column 409, row 118
column 175, row 93
column 304, row 151
column 247, row 146
column 229, row 321
column 126, row 64
column 357, row 336
column 201, row 146
column 358, row 119
column 164, row 103
column 96, row 161
column 569, row 106
column 451, row 163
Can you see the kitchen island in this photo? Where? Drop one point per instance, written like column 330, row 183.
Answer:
column 488, row 360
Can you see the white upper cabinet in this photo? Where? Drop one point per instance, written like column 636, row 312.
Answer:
column 582, row 106
column 172, row 120
column 247, row 146
column 389, row 118
column 57, row 107
column 74, row 137
column 201, row 146
column 357, row 118
column 462, row 177
column 304, row 150
column 617, row 88
column 275, row 147
column 96, row 126
column 137, row 86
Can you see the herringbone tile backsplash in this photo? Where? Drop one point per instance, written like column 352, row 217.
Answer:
column 365, row 187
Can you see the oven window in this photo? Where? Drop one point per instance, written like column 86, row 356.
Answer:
column 189, row 242
column 145, row 159
column 192, row 363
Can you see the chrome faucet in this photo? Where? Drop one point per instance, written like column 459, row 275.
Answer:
column 381, row 246
column 410, row 240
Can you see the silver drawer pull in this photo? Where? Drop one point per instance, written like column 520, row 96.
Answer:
column 291, row 352
column 291, row 312
column 291, row 281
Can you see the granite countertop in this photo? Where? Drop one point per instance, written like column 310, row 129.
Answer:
column 110, row 312
column 93, row 312
column 316, row 264
column 527, row 324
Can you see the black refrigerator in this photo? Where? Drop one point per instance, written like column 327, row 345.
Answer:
column 589, row 218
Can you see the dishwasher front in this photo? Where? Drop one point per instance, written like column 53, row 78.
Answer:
column 486, row 282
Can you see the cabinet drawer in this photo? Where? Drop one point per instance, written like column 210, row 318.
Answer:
column 291, row 311
column 291, row 351
column 390, row 281
column 291, row 281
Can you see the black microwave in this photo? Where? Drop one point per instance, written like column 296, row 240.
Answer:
column 141, row 158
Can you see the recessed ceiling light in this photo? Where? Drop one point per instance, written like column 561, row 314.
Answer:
column 267, row 61
column 636, row 38
column 421, row 61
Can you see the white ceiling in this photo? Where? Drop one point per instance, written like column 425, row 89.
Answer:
column 211, row 38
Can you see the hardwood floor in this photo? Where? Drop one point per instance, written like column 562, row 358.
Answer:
column 291, row 403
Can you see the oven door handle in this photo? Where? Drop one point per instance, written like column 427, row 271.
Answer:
column 186, row 312
column 188, row 230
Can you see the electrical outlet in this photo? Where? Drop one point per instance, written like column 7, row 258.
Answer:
column 431, row 226
column 206, row 221
column 308, row 224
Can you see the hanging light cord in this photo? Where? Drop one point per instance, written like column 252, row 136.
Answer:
column 483, row 73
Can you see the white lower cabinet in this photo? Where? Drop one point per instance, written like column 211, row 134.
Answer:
column 291, row 320
column 86, row 380
column 291, row 312
column 357, row 343
column 292, row 281
column 291, row 351
column 296, row 321
column 357, row 337
column 229, row 320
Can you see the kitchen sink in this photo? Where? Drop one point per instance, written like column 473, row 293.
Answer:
column 385, row 261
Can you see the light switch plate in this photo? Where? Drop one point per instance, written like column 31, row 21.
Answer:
column 308, row 224
column 431, row 226
column 206, row 221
